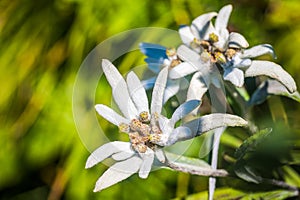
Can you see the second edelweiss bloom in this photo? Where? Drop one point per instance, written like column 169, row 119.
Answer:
column 147, row 129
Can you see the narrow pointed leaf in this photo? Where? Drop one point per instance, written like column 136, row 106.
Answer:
column 119, row 89
column 259, row 50
column 137, row 92
column 273, row 70
column 158, row 91
column 118, row 172
column 106, row 151
column 110, row 115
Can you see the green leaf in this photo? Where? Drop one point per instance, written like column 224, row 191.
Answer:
column 232, row 194
column 252, row 142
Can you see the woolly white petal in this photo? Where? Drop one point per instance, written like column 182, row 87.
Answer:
column 137, row 92
column 110, row 115
column 197, row 87
column 258, row 50
column 183, row 110
column 149, row 83
column 158, row 91
column 223, row 17
column 123, row 155
column 118, row 172
column 273, row 70
column 237, row 40
column 172, row 89
column 181, row 70
column 119, row 88
column 186, row 35
column 203, row 24
column 179, row 134
column 235, row 76
column 106, row 151
column 148, row 158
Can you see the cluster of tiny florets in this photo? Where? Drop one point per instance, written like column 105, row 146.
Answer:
column 211, row 52
column 143, row 132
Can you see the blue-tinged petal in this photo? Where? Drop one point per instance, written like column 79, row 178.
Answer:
column 172, row 89
column 137, row 92
column 203, row 24
column 183, row 110
column 186, row 35
column 222, row 18
column 179, row 134
column 153, row 50
column 155, row 65
column 158, row 91
column 237, row 40
column 148, row 158
column 106, row 151
column 197, row 87
column 110, row 115
column 235, row 76
column 241, row 63
column 118, row 172
column 119, row 89
column 273, row 70
column 149, row 83
column 259, row 50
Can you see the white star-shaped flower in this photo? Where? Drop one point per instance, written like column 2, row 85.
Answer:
column 148, row 130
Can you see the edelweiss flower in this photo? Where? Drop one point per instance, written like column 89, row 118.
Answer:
column 148, row 130
column 159, row 57
column 215, row 48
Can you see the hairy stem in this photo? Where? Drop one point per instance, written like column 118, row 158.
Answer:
column 201, row 171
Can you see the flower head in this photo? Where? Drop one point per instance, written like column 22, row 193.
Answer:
column 147, row 129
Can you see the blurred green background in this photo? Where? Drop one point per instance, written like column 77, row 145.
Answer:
column 42, row 45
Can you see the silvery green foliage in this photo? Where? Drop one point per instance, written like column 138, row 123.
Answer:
column 148, row 130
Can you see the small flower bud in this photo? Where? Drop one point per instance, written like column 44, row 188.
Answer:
column 213, row 38
column 135, row 125
column 144, row 117
column 220, row 57
column 171, row 52
column 230, row 53
column 124, row 127
column 154, row 137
